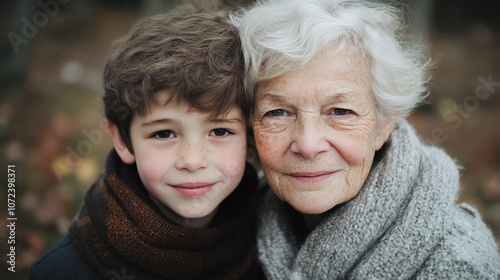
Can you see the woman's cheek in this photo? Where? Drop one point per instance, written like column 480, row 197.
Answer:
column 355, row 144
column 270, row 140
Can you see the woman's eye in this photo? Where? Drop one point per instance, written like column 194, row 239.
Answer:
column 164, row 134
column 341, row 112
column 276, row 113
column 220, row 132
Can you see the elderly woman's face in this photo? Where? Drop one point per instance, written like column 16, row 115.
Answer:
column 316, row 131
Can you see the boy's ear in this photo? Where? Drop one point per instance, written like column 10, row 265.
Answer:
column 120, row 147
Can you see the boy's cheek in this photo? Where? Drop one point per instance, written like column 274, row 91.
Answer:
column 150, row 171
column 235, row 167
column 234, row 158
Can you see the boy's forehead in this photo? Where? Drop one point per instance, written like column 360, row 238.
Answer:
column 164, row 100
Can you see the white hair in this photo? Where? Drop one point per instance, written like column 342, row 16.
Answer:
column 280, row 35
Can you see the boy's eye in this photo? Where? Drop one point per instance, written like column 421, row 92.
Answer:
column 164, row 134
column 276, row 113
column 341, row 112
column 220, row 132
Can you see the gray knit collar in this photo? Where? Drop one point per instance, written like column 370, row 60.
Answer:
column 388, row 229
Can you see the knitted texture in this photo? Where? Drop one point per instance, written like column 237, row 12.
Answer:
column 403, row 224
column 119, row 228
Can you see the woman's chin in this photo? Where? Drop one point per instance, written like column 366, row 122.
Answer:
column 311, row 205
column 312, row 209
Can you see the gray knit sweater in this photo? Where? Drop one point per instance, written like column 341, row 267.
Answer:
column 403, row 224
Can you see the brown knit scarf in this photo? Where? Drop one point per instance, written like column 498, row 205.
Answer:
column 121, row 232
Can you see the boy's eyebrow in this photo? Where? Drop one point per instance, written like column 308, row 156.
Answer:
column 173, row 121
column 157, row 122
column 223, row 120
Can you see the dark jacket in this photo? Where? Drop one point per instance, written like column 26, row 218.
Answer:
column 48, row 266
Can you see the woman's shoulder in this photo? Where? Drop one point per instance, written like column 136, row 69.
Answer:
column 62, row 261
column 467, row 250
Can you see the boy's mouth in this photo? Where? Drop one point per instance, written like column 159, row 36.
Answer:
column 193, row 189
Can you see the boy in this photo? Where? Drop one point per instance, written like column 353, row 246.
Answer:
column 165, row 206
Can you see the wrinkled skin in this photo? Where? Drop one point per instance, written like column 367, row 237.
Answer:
column 316, row 131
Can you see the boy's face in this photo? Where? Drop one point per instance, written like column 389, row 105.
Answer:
column 186, row 161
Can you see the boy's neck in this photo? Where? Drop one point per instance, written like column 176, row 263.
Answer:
column 201, row 222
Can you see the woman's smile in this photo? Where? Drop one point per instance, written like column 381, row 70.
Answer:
column 312, row 177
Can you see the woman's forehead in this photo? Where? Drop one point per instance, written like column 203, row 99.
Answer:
column 330, row 65
column 330, row 75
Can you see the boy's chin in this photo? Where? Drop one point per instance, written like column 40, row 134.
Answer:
column 196, row 214
column 196, row 217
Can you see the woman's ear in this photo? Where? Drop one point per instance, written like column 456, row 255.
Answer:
column 120, row 146
column 384, row 132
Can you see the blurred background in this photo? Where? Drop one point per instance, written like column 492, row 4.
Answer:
column 53, row 129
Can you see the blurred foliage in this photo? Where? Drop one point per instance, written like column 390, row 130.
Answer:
column 52, row 125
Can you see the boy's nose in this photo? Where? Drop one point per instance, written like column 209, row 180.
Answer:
column 192, row 158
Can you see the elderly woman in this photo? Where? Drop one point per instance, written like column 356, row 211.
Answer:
column 355, row 193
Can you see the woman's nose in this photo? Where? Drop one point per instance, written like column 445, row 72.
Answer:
column 308, row 138
column 191, row 157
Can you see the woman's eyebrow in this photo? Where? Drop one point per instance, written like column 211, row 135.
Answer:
column 329, row 97
column 336, row 97
column 273, row 96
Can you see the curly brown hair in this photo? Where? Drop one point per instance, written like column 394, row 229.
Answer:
column 194, row 53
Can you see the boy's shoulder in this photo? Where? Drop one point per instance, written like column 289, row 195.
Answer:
column 62, row 261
